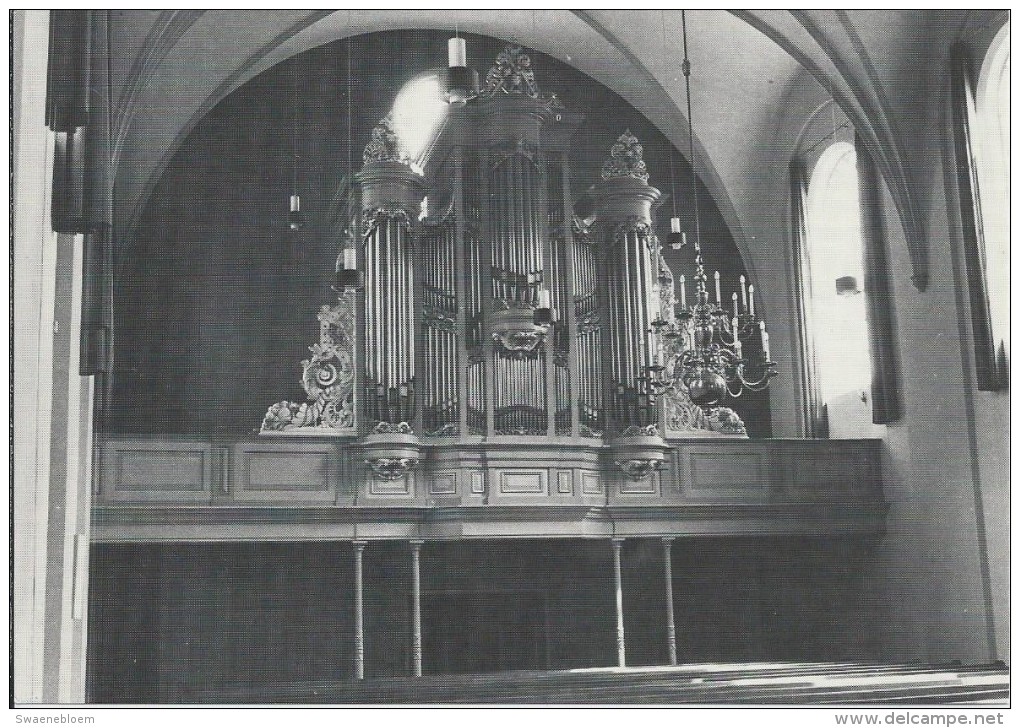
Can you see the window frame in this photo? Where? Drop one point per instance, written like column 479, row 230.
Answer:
column 825, row 180
column 990, row 374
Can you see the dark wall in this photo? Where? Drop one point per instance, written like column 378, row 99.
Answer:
column 216, row 299
column 176, row 623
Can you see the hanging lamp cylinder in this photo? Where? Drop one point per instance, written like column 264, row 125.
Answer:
column 457, row 52
column 295, row 218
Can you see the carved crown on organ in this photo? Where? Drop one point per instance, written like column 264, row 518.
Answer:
column 497, row 312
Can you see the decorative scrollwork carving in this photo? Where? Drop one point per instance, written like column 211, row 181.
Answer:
column 374, row 216
column 646, row 430
column 520, row 431
column 385, row 144
column 667, row 291
column 682, row 415
column 450, row 429
column 626, row 159
column 511, row 73
column 631, row 225
column 639, row 468
column 439, row 319
column 391, row 468
column 519, row 342
column 588, row 322
column 327, row 378
column 514, row 147
column 582, row 230
column 387, row 428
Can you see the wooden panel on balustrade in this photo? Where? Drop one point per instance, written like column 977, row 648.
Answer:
column 284, row 473
column 723, row 472
column 156, row 471
column 832, row 470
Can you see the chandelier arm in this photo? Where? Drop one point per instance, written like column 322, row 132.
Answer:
column 758, row 385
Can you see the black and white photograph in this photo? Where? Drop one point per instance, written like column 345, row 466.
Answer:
column 439, row 358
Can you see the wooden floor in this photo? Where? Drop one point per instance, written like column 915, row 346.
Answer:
column 724, row 684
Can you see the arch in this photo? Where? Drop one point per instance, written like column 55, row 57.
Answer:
column 314, row 29
column 865, row 105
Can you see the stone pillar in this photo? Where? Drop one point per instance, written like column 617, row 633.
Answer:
column 416, row 657
column 359, row 610
column 621, row 642
column 667, row 556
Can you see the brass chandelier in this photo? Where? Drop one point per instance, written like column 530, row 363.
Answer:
column 709, row 351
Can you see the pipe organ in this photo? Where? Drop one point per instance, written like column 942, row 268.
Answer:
column 450, row 345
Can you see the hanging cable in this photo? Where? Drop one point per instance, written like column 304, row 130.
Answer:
column 545, row 313
column 347, row 273
column 686, row 67
column 675, row 239
column 295, row 218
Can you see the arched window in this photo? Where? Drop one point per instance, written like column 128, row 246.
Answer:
column 834, row 285
column 981, row 138
column 991, row 152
